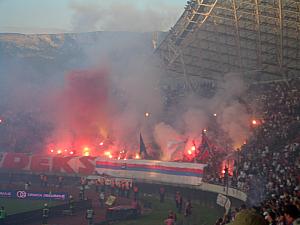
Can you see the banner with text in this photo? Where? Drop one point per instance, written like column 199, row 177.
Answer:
column 153, row 170
column 31, row 195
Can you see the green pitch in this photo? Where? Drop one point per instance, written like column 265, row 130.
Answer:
column 13, row 206
column 201, row 214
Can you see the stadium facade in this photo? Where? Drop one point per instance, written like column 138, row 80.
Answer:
column 259, row 39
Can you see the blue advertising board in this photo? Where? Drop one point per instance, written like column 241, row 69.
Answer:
column 31, row 195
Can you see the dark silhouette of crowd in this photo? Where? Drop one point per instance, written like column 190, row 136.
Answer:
column 267, row 167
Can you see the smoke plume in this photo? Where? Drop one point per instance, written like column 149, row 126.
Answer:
column 83, row 107
column 123, row 16
column 225, row 112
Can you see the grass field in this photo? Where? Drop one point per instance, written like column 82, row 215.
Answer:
column 13, row 206
column 201, row 215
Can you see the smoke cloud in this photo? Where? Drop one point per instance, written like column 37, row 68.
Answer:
column 110, row 104
column 106, row 97
column 123, row 16
column 225, row 112
column 82, row 108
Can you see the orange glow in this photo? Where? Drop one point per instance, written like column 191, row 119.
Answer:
column 137, row 156
column 254, row 122
column 108, row 154
column 147, row 114
column 59, row 151
column 204, row 130
column 189, row 152
column 229, row 165
column 86, row 151
column 193, row 148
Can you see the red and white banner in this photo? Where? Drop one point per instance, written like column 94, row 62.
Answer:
column 156, row 171
column 48, row 164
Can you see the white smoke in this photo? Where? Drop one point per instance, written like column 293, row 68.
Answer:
column 123, row 16
column 225, row 107
column 166, row 137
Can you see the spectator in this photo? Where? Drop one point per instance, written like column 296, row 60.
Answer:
column 136, row 205
column 169, row 221
column 60, row 181
column 136, row 191
column 188, row 213
column 2, row 215
column 172, row 215
column 90, row 216
column 102, row 198
column 71, row 204
column 162, row 194
column 45, row 214
column 82, row 192
column 178, row 201
column 188, row 208
column 127, row 190
column 271, row 218
column 26, row 185
column 291, row 215
column 219, row 221
column 248, row 217
column 42, row 180
column 45, row 181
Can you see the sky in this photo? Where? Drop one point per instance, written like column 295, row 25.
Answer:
column 57, row 16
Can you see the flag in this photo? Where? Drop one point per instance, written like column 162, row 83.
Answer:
column 143, row 151
column 204, row 141
column 175, row 149
column 204, row 150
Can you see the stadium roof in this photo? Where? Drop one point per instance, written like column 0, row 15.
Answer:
column 257, row 38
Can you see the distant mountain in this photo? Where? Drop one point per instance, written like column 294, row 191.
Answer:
column 37, row 61
column 66, row 49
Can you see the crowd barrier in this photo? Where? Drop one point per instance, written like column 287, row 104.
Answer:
column 207, row 187
column 232, row 192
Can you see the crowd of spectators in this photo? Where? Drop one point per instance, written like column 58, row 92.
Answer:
column 267, row 167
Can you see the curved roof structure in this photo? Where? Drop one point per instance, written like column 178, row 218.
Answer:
column 258, row 38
